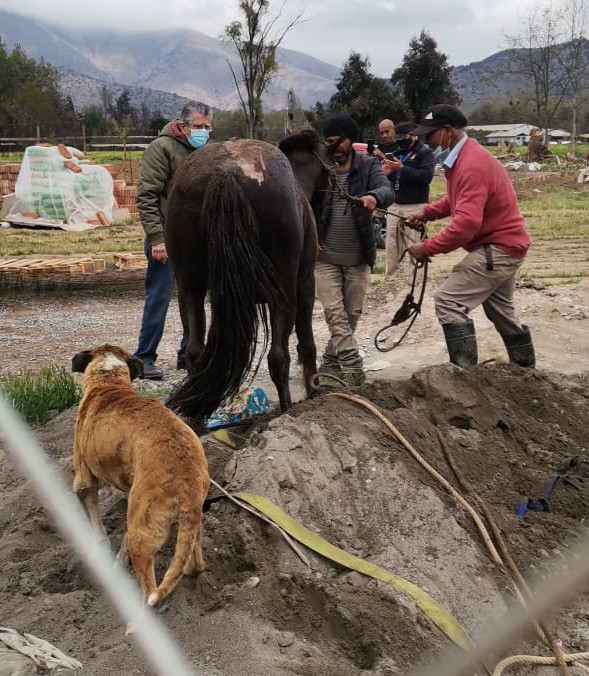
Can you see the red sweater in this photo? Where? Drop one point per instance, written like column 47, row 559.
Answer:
column 483, row 205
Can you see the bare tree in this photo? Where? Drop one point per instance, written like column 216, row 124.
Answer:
column 575, row 58
column 256, row 42
column 536, row 53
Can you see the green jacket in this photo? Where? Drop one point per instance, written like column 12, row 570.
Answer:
column 159, row 163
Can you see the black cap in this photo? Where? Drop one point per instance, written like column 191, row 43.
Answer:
column 405, row 128
column 439, row 116
column 341, row 125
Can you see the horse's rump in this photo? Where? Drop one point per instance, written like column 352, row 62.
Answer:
column 249, row 230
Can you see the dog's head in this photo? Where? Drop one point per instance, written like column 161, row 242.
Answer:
column 106, row 358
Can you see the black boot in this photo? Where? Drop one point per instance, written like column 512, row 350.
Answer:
column 462, row 343
column 520, row 348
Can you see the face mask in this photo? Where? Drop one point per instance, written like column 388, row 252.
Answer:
column 198, row 137
column 440, row 154
column 404, row 144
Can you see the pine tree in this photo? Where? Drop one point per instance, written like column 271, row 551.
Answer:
column 424, row 77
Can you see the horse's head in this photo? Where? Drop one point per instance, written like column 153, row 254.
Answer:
column 308, row 158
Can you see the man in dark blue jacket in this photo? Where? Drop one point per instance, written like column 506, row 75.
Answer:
column 410, row 172
column 347, row 249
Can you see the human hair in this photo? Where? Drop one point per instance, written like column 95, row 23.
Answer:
column 195, row 107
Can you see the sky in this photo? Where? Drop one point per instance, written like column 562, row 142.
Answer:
column 465, row 30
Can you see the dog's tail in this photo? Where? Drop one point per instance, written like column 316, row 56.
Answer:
column 187, row 554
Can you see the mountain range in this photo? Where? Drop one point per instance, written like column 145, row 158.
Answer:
column 163, row 69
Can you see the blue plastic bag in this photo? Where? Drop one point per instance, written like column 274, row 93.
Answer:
column 245, row 405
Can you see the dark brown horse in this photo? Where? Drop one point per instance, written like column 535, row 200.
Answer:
column 240, row 224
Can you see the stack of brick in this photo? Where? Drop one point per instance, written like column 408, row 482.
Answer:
column 8, row 176
column 126, row 196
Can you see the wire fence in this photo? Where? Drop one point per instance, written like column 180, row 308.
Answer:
column 152, row 638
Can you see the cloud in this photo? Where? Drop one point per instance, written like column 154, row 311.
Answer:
column 465, row 30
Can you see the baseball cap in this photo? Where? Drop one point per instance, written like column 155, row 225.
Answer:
column 439, row 116
column 405, row 128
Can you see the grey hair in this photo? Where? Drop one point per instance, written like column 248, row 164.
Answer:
column 195, row 107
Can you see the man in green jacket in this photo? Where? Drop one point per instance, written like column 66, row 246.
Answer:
column 160, row 161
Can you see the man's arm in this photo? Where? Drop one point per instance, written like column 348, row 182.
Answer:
column 379, row 186
column 155, row 169
column 422, row 174
column 471, row 197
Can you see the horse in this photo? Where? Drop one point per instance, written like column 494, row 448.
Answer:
column 240, row 224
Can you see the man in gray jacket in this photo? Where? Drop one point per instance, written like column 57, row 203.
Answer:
column 160, row 161
column 347, row 248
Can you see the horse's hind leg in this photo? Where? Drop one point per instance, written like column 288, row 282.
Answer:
column 192, row 313
column 282, row 322
column 306, row 347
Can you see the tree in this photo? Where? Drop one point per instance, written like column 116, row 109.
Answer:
column 256, row 49
column 97, row 123
column 123, row 108
column 424, row 77
column 536, row 53
column 30, row 95
column 575, row 58
column 366, row 98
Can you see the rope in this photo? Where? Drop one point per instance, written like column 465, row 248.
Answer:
column 532, row 659
column 511, row 569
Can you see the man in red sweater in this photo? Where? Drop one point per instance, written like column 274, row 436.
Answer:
column 486, row 221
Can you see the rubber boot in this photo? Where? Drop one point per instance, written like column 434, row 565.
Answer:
column 520, row 348
column 462, row 343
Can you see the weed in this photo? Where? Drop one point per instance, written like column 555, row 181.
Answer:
column 35, row 395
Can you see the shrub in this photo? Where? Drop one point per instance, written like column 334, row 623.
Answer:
column 35, row 395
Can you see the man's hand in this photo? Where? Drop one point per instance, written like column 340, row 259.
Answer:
column 159, row 253
column 417, row 217
column 417, row 251
column 369, row 202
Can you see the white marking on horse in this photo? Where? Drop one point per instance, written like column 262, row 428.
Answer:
column 251, row 163
column 111, row 361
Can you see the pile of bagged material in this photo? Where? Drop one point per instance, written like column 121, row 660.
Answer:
column 57, row 186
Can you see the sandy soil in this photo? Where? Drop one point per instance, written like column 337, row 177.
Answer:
column 335, row 468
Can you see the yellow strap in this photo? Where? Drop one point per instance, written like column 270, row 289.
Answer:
column 425, row 603
column 224, row 437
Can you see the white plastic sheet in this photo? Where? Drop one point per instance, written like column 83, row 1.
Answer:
column 57, row 186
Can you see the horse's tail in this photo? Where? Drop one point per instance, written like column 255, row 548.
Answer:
column 241, row 276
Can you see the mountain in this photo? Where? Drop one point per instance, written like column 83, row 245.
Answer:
column 185, row 63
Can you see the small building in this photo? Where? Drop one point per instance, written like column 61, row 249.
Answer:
column 517, row 133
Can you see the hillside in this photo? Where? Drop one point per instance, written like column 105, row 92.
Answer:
column 185, row 63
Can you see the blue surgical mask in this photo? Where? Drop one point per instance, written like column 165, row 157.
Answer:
column 440, row 154
column 198, row 137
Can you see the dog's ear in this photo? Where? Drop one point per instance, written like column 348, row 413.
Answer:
column 135, row 367
column 81, row 360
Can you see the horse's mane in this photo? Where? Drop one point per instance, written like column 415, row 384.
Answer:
column 304, row 140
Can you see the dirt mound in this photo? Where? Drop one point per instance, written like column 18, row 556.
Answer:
column 334, row 467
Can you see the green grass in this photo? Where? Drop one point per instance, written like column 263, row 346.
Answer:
column 35, row 395
column 98, row 156
column 117, row 238
column 557, row 212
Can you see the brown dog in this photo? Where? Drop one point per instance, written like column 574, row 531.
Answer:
column 139, row 446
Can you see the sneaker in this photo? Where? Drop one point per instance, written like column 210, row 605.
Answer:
column 354, row 378
column 151, row 372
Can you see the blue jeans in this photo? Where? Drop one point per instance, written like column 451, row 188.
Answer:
column 159, row 284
